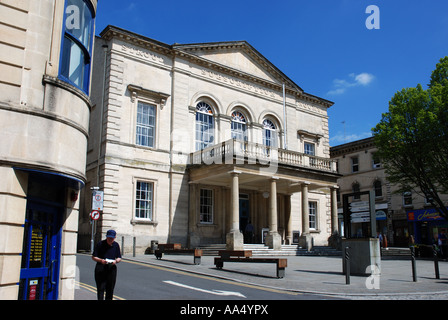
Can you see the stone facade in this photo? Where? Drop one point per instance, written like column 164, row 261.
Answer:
column 362, row 171
column 44, row 124
column 205, row 185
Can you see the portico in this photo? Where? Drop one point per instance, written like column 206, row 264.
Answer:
column 269, row 187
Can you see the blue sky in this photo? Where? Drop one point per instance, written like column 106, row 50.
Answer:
column 322, row 45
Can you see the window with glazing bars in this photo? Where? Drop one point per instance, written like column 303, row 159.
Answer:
column 146, row 124
column 205, row 126
column 313, row 214
column 144, row 200
column 206, row 206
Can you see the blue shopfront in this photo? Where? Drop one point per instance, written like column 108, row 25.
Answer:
column 427, row 225
column 47, row 195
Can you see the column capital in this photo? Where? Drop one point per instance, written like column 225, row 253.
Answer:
column 234, row 172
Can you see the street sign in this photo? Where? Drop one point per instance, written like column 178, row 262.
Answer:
column 360, row 209
column 95, row 215
column 359, row 204
column 97, row 200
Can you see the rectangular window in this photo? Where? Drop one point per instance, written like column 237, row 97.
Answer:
column 146, row 125
column 144, row 200
column 206, row 206
column 310, row 149
column 376, row 161
column 407, row 199
column 355, row 164
column 313, row 214
column 77, row 39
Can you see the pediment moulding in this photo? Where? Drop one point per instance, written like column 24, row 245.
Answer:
column 215, row 69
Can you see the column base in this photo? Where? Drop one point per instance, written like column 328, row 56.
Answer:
column 234, row 240
column 274, row 241
column 306, row 241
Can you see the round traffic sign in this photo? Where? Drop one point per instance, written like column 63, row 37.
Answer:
column 95, row 215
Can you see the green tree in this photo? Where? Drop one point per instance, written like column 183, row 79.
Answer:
column 412, row 138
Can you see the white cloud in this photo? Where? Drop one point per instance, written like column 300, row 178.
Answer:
column 364, row 78
column 131, row 6
column 340, row 85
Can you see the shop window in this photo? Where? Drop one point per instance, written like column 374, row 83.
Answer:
column 77, row 42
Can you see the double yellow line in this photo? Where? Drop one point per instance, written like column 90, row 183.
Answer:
column 93, row 289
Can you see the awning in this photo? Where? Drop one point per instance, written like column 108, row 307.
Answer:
column 67, row 180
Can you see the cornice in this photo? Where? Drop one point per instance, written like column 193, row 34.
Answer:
column 352, row 147
column 186, row 51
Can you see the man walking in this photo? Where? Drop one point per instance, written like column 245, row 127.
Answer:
column 106, row 255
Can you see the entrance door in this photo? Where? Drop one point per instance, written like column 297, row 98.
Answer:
column 245, row 218
column 41, row 253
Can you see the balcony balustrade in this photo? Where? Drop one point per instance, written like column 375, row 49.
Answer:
column 241, row 152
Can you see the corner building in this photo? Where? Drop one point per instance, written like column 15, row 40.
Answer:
column 192, row 142
column 46, row 50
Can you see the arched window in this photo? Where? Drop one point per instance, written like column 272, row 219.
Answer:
column 205, row 126
column 269, row 134
column 239, row 126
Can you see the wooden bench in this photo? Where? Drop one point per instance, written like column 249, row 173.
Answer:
column 246, row 257
column 176, row 248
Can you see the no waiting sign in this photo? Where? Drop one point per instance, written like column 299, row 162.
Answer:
column 97, row 200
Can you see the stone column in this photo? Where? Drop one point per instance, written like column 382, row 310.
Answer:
column 334, row 210
column 305, row 209
column 305, row 240
column 234, row 239
column 273, row 240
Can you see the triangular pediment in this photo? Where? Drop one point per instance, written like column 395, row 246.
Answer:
column 239, row 56
column 234, row 58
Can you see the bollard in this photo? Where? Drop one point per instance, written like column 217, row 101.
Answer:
column 122, row 245
column 347, row 265
column 414, row 269
column 436, row 261
column 133, row 248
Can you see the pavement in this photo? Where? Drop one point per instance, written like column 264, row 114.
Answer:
column 320, row 275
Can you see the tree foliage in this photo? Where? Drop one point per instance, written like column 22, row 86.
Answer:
column 412, row 138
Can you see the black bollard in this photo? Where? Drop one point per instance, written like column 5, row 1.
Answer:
column 347, row 265
column 414, row 269
column 436, row 261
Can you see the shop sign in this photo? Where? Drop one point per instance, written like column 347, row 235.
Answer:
column 424, row 215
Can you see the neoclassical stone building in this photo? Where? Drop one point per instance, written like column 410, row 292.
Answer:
column 192, row 142
column 46, row 50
